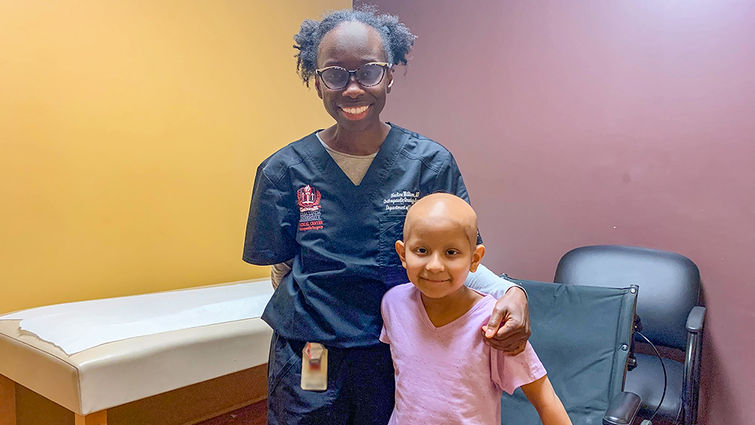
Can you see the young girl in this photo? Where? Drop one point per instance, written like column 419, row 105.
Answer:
column 445, row 374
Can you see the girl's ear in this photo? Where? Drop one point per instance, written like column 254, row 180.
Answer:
column 401, row 251
column 477, row 255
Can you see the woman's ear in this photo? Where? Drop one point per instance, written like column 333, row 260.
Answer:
column 390, row 80
column 318, row 88
column 477, row 255
column 401, row 251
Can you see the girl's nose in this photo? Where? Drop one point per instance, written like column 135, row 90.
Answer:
column 435, row 264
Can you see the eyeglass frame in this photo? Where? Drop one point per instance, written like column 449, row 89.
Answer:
column 353, row 72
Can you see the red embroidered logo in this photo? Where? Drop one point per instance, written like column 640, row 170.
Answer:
column 308, row 199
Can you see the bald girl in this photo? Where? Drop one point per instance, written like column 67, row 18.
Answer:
column 438, row 251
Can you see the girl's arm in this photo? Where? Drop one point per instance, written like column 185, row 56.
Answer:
column 549, row 407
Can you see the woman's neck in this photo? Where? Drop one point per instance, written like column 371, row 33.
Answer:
column 443, row 311
column 361, row 142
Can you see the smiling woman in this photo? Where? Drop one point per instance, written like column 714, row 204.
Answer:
column 326, row 211
column 354, row 105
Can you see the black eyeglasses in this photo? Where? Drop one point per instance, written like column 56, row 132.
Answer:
column 367, row 75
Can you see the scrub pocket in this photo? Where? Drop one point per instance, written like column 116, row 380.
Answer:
column 391, row 230
column 281, row 359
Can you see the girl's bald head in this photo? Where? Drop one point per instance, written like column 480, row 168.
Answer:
column 443, row 207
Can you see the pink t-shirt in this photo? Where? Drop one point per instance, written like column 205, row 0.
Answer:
column 447, row 375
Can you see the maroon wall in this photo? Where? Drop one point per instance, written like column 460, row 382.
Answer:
column 585, row 122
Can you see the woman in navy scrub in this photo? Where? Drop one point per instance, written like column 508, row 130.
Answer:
column 326, row 211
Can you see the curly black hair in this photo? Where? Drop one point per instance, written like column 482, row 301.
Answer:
column 396, row 36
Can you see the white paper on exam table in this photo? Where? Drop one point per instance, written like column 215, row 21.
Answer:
column 77, row 326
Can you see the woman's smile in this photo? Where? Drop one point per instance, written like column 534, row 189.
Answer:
column 355, row 112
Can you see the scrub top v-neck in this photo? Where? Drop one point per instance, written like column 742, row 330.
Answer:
column 354, row 166
column 340, row 236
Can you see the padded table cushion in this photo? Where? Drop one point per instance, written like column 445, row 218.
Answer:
column 119, row 372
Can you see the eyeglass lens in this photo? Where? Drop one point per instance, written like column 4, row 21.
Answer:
column 367, row 75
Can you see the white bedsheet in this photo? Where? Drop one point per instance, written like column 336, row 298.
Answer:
column 77, row 326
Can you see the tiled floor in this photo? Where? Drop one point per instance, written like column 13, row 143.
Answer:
column 255, row 414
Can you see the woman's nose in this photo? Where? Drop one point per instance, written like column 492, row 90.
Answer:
column 353, row 89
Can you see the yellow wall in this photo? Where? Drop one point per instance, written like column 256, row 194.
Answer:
column 129, row 136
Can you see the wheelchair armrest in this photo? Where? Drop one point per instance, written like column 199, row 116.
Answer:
column 622, row 409
column 692, row 358
column 695, row 319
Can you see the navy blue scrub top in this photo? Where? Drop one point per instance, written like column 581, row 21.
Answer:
column 341, row 236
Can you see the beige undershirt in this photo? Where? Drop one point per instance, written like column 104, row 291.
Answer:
column 355, row 167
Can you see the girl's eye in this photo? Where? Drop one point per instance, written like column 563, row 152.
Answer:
column 452, row 252
column 421, row 250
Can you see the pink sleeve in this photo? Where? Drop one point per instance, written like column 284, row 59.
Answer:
column 511, row 372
